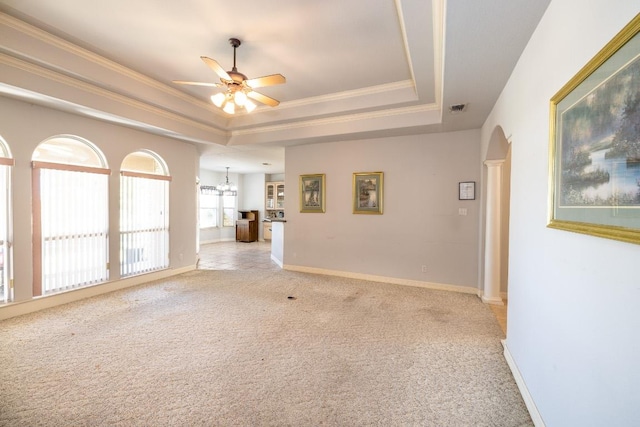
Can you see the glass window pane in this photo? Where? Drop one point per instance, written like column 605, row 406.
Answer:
column 228, row 217
column 229, row 211
column 144, row 225
column 229, row 201
column 5, row 259
column 69, row 150
column 142, row 161
column 209, row 201
column 74, row 223
column 208, row 217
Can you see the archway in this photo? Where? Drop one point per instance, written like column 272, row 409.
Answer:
column 496, row 227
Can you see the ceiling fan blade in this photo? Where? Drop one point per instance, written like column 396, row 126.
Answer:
column 273, row 79
column 213, row 64
column 184, row 82
column 263, row 98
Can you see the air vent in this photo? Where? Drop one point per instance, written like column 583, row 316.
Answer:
column 458, row 108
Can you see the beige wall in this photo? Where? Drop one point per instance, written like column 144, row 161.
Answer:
column 420, row 225
column 24, row 126
column 573, row 317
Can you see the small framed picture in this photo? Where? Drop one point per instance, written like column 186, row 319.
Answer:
column 312, row 193
column 467, row 190
column 367, row 192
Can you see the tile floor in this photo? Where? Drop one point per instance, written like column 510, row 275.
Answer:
column 236, row 256
column 500, row 311
column 257, row 256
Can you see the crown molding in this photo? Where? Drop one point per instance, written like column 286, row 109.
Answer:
column 54, row 76
column 407, row 51
column 439, row 12
column 60, row 43
column 348, row 94
column 296, row 114
column 345, row 118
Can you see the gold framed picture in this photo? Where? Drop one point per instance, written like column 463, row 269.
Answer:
column 595, row 144
column 368, row 192
column 312, row 193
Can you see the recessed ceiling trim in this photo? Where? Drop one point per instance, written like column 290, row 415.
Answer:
column 52, row 40
column 439, row 13
column 407, row 51
column 425, row 108
column 347, row 94
column 54, row 76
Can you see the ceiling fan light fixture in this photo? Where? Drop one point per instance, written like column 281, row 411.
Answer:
column 240, row 98
column 218, row 99
column 229, row 108
column 249, row 106
column 238, row 87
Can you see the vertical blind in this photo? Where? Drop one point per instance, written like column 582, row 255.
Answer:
column 208, row 206
column 74, row 229
column 144, row 223
column 5, row 246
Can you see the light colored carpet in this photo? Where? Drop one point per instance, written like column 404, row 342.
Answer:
column 230, row 348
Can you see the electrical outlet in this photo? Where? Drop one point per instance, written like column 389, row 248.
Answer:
column 424, row 268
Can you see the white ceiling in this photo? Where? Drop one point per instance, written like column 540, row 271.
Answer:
column 355, row 69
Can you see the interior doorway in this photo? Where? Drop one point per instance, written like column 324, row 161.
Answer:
column 497, row 187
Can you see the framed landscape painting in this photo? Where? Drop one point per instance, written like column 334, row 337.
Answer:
column 367, row 192
column 312, row 193
column 595, row 144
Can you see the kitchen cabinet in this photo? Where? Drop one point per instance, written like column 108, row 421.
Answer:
column 274, row 200
column 266, row 230
column 247, row 226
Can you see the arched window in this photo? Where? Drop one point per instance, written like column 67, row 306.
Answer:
column 144, row 213
column 70, row 215
column 6, row 162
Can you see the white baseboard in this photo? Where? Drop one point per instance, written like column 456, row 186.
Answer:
column 492, row 300
column 503, row 298
column 522, row 386
column 276, row 260
column 40, row 303
column 382, row 279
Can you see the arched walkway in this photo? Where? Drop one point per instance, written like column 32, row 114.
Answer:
column 496, row 228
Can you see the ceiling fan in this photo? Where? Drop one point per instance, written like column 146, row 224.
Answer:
column 238, row 87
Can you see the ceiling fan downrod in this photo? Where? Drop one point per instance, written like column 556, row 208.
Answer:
column 235, row 43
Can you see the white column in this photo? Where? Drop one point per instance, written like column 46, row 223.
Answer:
column 491, row 293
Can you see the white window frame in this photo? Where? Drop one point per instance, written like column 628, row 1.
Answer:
column 225, row 215
column 6, row 248
column 144, row 234
column 70, row 228
column 229, row 218
column 208, row 204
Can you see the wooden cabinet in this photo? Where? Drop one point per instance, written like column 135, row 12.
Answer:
column 247, row 226
column 270, row 202
column 266, row 230
column 274, row 200
column 280, row 195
